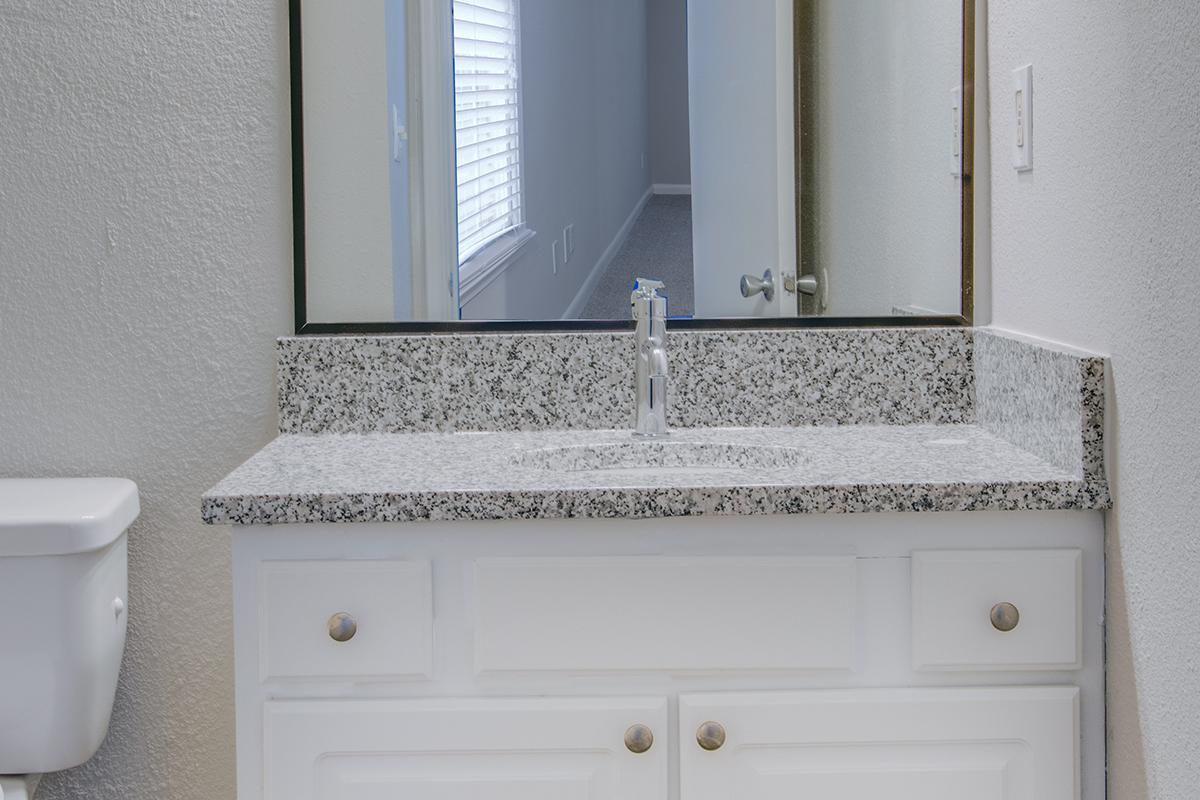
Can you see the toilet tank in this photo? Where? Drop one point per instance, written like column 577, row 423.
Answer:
column 63, row 608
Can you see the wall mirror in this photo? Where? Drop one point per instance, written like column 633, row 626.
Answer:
column 516, row 164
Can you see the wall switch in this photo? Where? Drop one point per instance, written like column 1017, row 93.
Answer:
column 555, row 255
column 1023, row 107
column 957, row 130
column 568, row 242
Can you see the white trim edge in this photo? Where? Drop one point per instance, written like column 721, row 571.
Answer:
column 494, row 259
column 610, row 252
column 672, row 188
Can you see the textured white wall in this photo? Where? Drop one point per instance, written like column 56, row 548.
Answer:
column 1100, row 247
column 144, row 270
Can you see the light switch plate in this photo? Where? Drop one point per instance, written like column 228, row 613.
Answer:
column 1022, row 130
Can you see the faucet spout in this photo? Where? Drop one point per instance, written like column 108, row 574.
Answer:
column 650, row 313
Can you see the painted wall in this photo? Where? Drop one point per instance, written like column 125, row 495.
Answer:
column 396, row 26
column 740, row 93
column 881, row 201
column 347, row 150
column 1099, row 247
column 584, row 108
column 667, row 73
column 144, row 271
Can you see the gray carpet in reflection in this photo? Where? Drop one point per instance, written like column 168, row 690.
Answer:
column 659, row 247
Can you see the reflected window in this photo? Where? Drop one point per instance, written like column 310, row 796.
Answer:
column 487, row 105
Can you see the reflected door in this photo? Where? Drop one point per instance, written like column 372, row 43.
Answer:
column 742, row 129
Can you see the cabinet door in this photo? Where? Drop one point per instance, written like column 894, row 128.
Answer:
column 463, row 749
column 902, row 744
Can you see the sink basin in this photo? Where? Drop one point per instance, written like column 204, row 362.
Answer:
column 663, row 457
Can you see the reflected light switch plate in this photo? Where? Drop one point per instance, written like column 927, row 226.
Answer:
column 957, row 140
column 1022, row 130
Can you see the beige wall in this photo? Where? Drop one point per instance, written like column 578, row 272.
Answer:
column 1100, row 247
column 144, row 271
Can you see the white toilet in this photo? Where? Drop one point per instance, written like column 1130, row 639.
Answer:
column 62, row 621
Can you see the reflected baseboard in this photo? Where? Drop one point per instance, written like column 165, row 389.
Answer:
column 589, row 283
column 672, row 188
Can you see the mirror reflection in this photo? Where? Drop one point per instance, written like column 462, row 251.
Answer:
column 529, row 159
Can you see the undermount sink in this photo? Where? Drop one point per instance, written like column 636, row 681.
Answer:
column 662, row 456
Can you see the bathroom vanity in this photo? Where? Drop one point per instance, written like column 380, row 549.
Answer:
column 457, row 575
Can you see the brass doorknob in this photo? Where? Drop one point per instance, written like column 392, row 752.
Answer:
column 710, row 735
column 1005, row 617
column 342, row 627
column 639, row 738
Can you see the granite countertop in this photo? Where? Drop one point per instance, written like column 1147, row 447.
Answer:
column 386, row 477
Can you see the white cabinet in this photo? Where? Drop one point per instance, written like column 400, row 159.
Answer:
column 844, row 656
column 463, row 749
column 902, row 744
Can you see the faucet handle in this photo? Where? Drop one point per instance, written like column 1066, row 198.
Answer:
column 644, row 287
column 646, row 300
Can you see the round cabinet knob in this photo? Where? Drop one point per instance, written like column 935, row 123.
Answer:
column 1005, row 617
column 710, row 735
column 342, row 627
column 639, row 738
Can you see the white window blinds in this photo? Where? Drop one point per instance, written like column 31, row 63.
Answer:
column 487, row 105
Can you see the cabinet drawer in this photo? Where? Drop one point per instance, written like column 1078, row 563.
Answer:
column 996, row 609
column 668, row 614
column 386, row 622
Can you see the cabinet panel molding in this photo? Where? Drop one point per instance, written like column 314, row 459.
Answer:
column 669, row 614
column 904, row 744
column 463, row 749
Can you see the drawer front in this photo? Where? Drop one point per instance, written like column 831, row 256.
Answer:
column 383, row 626
column 996, row 609
column 467, row 749
column 667, row 614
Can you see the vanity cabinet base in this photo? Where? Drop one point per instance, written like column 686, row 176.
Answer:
column 930, row 656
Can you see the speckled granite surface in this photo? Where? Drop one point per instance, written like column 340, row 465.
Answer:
column 518, row 475
column 1045, row 399
column 480, row 382
column 520, row 426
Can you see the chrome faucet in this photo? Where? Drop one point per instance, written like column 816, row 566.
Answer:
column 650, row 313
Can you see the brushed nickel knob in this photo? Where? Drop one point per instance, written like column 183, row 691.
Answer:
column 710, row 735
column 342, row 627
column 1005, row 617
column 639, row 738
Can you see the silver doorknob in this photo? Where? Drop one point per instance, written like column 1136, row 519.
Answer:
column 805, row 284
column 1005, row 617
column 342, row 627
column 764, row 285
column 710, row 735
column 639, row 738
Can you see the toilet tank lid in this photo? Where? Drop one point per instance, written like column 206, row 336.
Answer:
column 58, row 516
